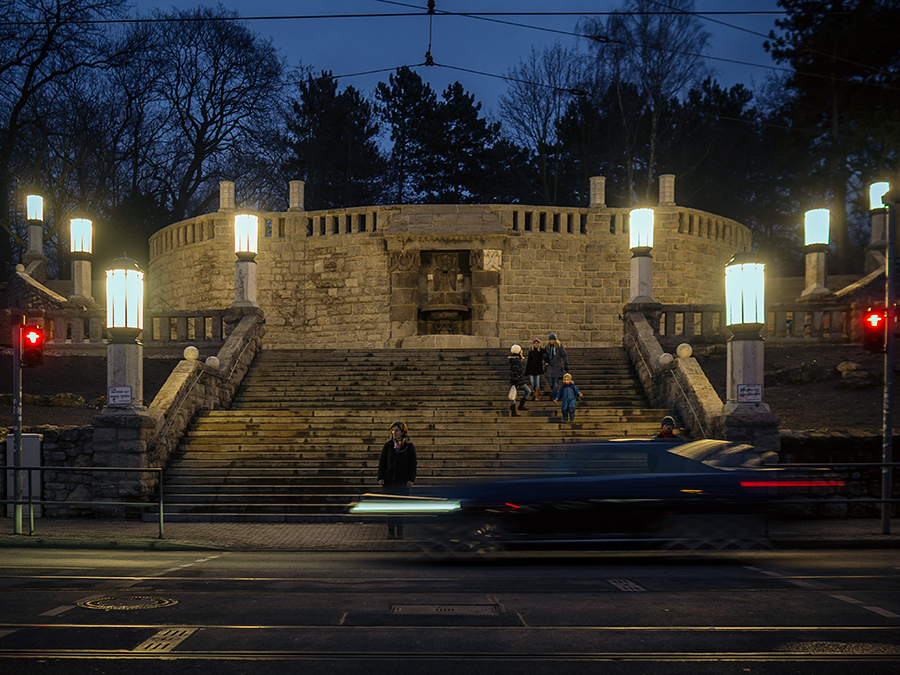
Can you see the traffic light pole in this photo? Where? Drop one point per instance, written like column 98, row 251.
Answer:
column 890, row 314
column 17, row 424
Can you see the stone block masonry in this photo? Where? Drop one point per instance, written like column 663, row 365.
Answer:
column 365, row 277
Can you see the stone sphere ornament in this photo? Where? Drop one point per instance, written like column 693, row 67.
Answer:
column 191, row 353
column 213, row 362
column 684, row 351
column 665, row 359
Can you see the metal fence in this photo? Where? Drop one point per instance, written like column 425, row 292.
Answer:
column 30, row 502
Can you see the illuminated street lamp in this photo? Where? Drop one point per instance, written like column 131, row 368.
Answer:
column 81, row 241
column 246, row 243
column 34, row 212
column 816, row 230
column 640, row 240
column 124, row 323
column 745, row 315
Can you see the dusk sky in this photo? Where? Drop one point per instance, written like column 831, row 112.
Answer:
column 346, row 46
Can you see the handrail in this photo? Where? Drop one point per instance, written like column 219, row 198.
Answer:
column 31, row 501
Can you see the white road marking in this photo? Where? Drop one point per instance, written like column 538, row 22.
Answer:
column 846, row 598
column 58, row 610
column 883, row 612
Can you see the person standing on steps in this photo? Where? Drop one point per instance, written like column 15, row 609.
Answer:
column 568, row 395
column 534, row 367
column 397, row 470
column 557, row 363
column 517, row 379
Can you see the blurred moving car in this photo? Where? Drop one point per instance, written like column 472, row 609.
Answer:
column 706, row 494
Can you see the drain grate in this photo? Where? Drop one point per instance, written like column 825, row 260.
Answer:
column 626, row 585
column 109, row 602
column 165, row 640
column 459, row 610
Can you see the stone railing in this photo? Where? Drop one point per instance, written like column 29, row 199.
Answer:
column 142, row 440
column 680, row 385
column 823, row 322
column 86, row 328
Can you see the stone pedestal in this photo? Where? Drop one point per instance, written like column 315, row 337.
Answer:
column 641, row 276
column 81, row 281
column 245, row 281
column 226, row 196
column 297, row 189
column 125, row 368
column 816, row 275
column 667, row 189
column 598, row 192
column 745, row 367
column 123, row 440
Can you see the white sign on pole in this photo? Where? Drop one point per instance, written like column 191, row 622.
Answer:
column 749, row 393
column 118, row 396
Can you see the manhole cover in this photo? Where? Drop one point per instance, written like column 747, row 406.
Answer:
column 126, row 602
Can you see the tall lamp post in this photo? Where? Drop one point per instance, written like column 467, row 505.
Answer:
column 640, row 240
column 816, row 230
column 745, row 315
column 81, row 243
column 124, row 323
column 882, row 197
column 246, row 243
column 34, row 212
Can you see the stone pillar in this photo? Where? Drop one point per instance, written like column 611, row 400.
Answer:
column 598, row 192
column 35, row 237
column 641, row 276
column 667, row 189
column 245, row 280
column 226, row 196
column 404, row 269
column 816, row 273
column 124, row 375
column 875, row 251
column 485, row 266
column 746, row 356
column 297, row 195
column 81, row 280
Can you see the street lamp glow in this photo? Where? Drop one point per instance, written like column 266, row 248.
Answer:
column 876, row 192
column 125, row 295
column 745, row 291
column 816, row 226
column 640, row 228
column 34, row 207
column 246, row 233
column 81, row 235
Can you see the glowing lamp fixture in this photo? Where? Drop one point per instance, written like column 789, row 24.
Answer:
column 246, row 234
column 876, row 192
column 816, row 226
column 34, row 207
column 81, row 235
column 745, row 290
column 125, row 295
column 640, row 228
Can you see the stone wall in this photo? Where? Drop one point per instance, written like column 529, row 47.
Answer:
column 337, row 277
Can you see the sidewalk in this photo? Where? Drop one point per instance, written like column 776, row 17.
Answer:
column 137, row 535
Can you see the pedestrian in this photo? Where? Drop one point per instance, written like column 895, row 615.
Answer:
column 557, row 363
column 397, row 470
column 534, row 367
column 517, row 380
column 667, row 430
column 568, row 395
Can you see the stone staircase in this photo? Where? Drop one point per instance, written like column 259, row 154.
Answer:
column 303, row 437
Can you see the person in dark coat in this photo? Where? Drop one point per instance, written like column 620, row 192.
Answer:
column 517, row 379
column 397, row 470
column 667, row 430
column 557, row 362
column 534, row 367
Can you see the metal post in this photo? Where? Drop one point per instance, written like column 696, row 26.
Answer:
column 159, row 482
column 17, row 424
column 890, row 315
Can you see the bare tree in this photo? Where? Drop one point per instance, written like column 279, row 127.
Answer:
column 539, row 93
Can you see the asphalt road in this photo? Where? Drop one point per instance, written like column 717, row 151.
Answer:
column 78, row 611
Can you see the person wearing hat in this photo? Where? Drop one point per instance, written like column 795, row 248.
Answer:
column 557, row 363
column 517, row 379
column 667, row 430
column 397, row 470
column 534, row 367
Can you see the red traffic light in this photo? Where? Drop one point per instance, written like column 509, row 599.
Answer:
column 32, row 346
column 874, row 324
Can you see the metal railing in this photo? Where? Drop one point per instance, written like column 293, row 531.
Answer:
column 31, row 502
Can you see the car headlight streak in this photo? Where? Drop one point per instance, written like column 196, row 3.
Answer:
column 405, row 507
